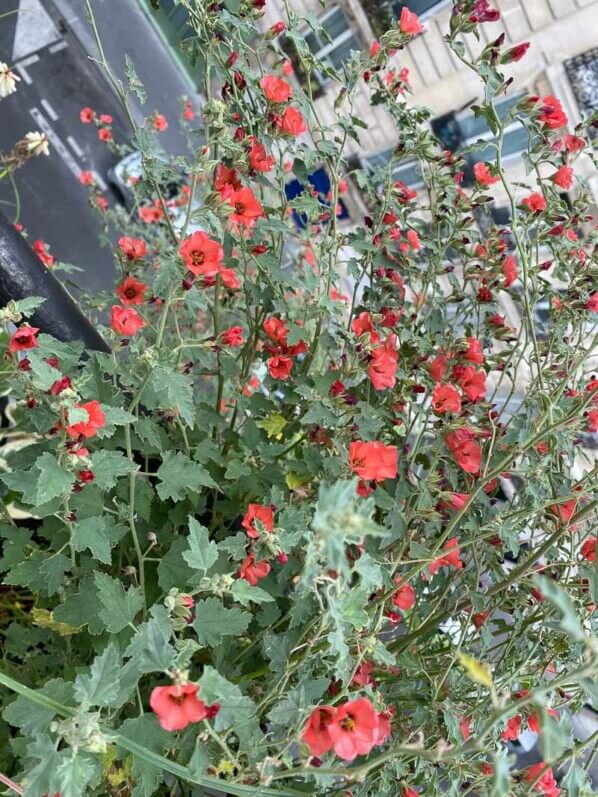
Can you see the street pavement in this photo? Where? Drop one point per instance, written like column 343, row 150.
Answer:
column 48, row 43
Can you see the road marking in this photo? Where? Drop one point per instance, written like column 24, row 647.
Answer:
column 49, row 110
column 24, row 74
column 34, row 29
column 99, row 181
column 33, row 59
column 75, row 147
column 55, row 141
column 56, row 48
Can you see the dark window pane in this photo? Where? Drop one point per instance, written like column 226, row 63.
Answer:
column 340, row 54
column 335, row 23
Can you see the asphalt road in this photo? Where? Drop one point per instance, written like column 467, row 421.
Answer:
column 57, row 80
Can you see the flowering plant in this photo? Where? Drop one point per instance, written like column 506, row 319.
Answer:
column 321, row 521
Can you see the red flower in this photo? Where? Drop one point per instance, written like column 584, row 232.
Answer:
column 96, row 420
column 363, row 674
column 233, row 336
column 159, row 122
column 126, row 321
column 437, row 367
column 409, row 22
column 552, row 114
column 316, row 733
column 225, row 179
column 465, row 729
column 474, row 353
column 133, row 248
column 363, row 325
column 104, row 134
column 188, row 112
column 355, row 729
column 106, row 119
column 86, row 476
column 265, row 516
column 150, row 214
column 382, row 369
column 276, row 330
column 86, row 115
column 509, row 270
column 280, row 367
column 414, row 240
column 465, row 450
column 60, row 385
column 588, row 549
column 131, row 291
column 291, row 123
column 592, row 303
column 404, row 598
column 201, row 254
column 253, row 571
column 565, row 510
column 451, row 557
column 563, row 177
column 276, row 89
column 23, row 339
column 593, row 420
column 483, row 13
column 473, row 383
column 535, row 202
column 546, row 784
column 457, row 500
column 407, row 792
column 277, row 28
column 41, row 250
column 512, row 730
column 374, row 48
column 259, row 160
column 516, row 53
column 373, row 460
column 483, row 176
column 446, row 398
column 229, row 279
column 573, row 143
column 247, row 209
column 177, row 706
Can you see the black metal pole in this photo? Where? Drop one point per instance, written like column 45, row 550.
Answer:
column 22, row 274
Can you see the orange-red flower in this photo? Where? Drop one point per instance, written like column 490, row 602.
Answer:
column 24, row 338
column 291, row 122
column 382, row 369
column 446, row 398
column 265, row 517
column 232, row 337
column 482, row 175
column 125, row 321
column 588, row 549
column 201, row 254
column 316, row 733
column 275, row 89
column 276, row 330
column 259, row 160
column 409, row 22
column 131, row 291
column 133, row 248
column 509, row 270
column 96, row 420
column 546, row 783
column 404, row 598
column 552, row 114
column 563, row 177
column 465, row 450
column 373, row 461
column 280, row 366
column 246, row 207
column 450, row 558
column 177, row 706
column 535, row 202
column 473, row 383
column 474, row 353
column 253, row 571
column 355, row 729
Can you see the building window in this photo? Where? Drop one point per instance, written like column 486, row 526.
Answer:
column 333, row 46
column 582, row 72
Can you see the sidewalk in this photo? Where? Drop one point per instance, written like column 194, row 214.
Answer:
column 125, row 29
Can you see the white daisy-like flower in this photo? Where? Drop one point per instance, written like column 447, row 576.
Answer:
column 8, row 80
column 37, row 143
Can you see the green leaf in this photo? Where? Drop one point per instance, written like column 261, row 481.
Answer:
column 236, row 709
column 40, row 572
column 562, row 602
column 75, row 772
column 501, row 781
column 118, row 607
column 213, row 621
column 150, row 648
column 101, row 686
column 173, row 571
column 170, row 389
column 91, row 533
column 145, row 729
column 203, row 552
column 81, row 608
column 178, row 474
column 108, row 466
column 53, row 480
column 30, row 717
column 134, row 84
column 244, row 593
